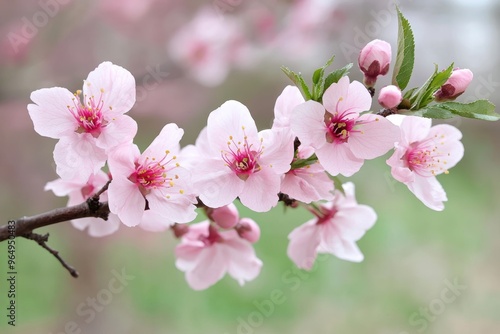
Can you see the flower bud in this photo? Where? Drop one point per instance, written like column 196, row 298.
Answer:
column 248, row 230
column 226, row 216
column 456, row 84
column 374, row 60
column 390, row 97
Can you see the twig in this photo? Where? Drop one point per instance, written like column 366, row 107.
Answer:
column 42, row 241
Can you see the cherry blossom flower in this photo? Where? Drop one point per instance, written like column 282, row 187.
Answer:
column 79, row 192
column 341, row 137
column 374, row 60
column 206, row 255
column 309, row 183
column 335, row 229
column 209, row 46
column 86, row 129
column 153, row 180
column 423, row 153
column 240, row 162
column 456, row 84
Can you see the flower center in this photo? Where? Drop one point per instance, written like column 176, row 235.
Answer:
column 89, row 114
column 241, row 157
column 338, row 127
column 152, row 173
column 425, row 158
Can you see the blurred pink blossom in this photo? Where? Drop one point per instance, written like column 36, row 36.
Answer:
column 390, row 96
column 335, row 229
column 209, row 46
column 206, row 255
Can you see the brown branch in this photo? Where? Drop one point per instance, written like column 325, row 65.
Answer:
column 26, row 225
column 41, row 240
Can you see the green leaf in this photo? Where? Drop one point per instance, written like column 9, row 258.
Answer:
column 424, row 95
column 409, row 93
column 406, row 53
column 300, row 163
column 335, row 76
column 480, row 109
column 318, row 74
column 298, row 81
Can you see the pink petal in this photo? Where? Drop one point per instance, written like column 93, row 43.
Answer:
column 352, row 223
column 376, row 137
column 187, row 254
column 230, row 119
column 414, row 129
column 289, row 99
column 278, row 150
column 177, row 209
column 448, row 142
column 211, row 266
column 154, row 222
column 307, row 187
column 50, row 114
column 119, row 130
column 308, row 123
column 97, row 227
column 118, row 87
column 333, row 243
column 126, row 201
column 122, row 160
column 429, row 191
column 338, row 159
column 243, row 263
column 260, row 191
column 304, row 241
column 216, row 183
column 62, row 187
column 77, row 157
column 167, row 139
column 335, row 93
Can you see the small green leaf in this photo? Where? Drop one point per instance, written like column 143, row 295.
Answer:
column 335, row 76
column 317, row 88
column 406, row 53
column 298, row 81
column 300, row 163
column 409, row 93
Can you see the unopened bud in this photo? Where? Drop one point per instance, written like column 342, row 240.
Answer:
column 248, row 230
column 456, row 84
column 390, row 97
column 226, row 216
column 374, row 60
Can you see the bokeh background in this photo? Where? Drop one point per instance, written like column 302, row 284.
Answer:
column 412, row 255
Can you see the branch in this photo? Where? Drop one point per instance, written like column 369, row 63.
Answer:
column 41, row 240
column 25, row 225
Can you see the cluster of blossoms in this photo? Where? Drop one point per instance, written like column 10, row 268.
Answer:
column 309, row 144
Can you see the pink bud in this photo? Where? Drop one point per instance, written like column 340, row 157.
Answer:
column 390, row 97
column 226, row 216
column 374, row 60
column 248, row 230
column 456, row 84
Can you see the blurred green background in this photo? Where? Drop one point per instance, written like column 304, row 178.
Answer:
column 412, row 255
